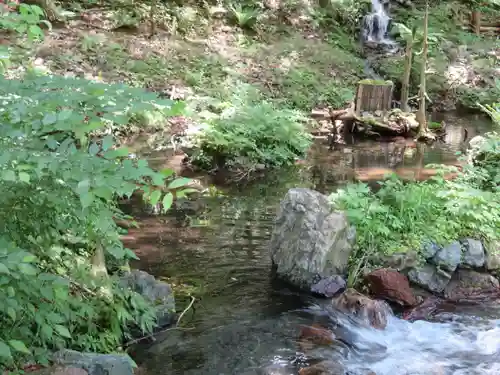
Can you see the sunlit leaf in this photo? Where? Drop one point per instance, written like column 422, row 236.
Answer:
column 19, row 346
column 167, row 201
column 179, row 182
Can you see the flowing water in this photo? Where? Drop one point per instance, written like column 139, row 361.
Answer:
column 245, row 323
column 376, row 24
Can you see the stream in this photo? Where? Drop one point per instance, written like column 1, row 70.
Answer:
column 245, row 323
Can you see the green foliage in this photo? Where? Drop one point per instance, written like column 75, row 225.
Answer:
column 479, row 97
column 25, row 22
column 60, row 181
column 493, row 110
column 248, row 131
column 243, row 16
column 401, row 216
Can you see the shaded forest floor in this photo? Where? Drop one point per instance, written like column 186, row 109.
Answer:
column 297, row 68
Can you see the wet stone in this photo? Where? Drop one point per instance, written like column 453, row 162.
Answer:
column 449, row 257
column 429, row 249
column 392, row 286
column 473, row 253
column 469, row 284
column 323, row 368
column 329, row 286
column 429, row 278
column 94, row 363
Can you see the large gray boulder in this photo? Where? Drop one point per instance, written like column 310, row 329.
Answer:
column 310, row 242
column 448, row 258
column 473, row 255
column 430, row 278
column 493, row 256
column 95, row 364
column 157, row 292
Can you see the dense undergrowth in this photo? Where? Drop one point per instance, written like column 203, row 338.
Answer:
column 61, row 169
column 402, row 216
column 61, row 254
column 296, row 55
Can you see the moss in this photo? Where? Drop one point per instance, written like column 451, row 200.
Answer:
column 375, row 82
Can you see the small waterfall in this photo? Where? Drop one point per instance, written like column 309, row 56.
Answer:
column 376, row 24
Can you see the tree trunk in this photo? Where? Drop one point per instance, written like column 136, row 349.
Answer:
column 405, row 88
column 422, row 113
column 99, row 263
column 476, row 22
column 152, row 13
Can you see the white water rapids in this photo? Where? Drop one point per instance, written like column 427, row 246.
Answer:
column 461, row 345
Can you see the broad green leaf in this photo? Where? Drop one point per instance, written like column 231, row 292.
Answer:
column 83, row 187
column 49, row 119
column 29, row 258
column 5, row 350
column 47, row 330
column 155, row 197
column 167, row 172
column 62, row 331
column 11, row 313
column 19, row 346
column 167, row 201
column 107, row 142
column 94, row 149
column 4, row 269
column 103, row 192
column 179, row 182
column 24, row 177
column 117, row 153
column 116, row 252
column 182, row 193
column 64, row 115
column 87, row 199
column 27, row 269
column 9, row 175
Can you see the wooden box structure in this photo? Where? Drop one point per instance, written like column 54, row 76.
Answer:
column 373, row 95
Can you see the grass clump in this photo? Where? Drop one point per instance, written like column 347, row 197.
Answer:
column 403, row 216
column 248, row 133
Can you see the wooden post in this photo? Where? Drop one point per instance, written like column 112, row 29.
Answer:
column 373, row 96
column 476, row 22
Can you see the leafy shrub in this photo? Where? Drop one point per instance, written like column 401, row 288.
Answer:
column 248, row 132
column 401, row 216
column 57, row 216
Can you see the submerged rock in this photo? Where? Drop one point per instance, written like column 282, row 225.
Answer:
column 449, row 257
column 316, row 335
column 157, row 292
column 424, row 310
column 392, row 286
column 323, row 368
column 95, row 364
column 430, row 278
column 468, row 284
column 310, row 242
column 473, row 255
column 371, row 312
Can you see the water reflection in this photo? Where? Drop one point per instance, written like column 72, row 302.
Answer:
column 243, row 322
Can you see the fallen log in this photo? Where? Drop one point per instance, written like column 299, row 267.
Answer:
column 395, row 123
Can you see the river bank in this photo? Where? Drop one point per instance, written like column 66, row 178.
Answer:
column 62, row 178
column 240, row 305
